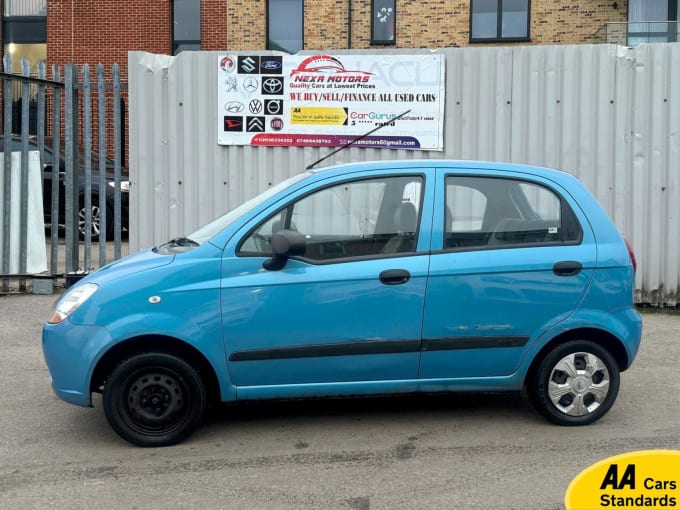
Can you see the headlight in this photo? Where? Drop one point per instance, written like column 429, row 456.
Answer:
column 70, row 301
column 124, row 186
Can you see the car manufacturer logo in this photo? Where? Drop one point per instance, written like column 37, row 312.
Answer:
column 273, row 106
column 227, row 64
column 231, row 84
column 248, row 64
column 233, row 123
column 272, row 85
column 234, row 107
column 255, row 106
column 276, row 124
column 250, row 84
column 271, row 65
column 255, row 124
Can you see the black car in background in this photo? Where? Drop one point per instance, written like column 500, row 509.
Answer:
column 48, row 163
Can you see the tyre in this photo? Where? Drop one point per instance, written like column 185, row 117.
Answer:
column 154, row 399
column 96, row 220
column 575, row 384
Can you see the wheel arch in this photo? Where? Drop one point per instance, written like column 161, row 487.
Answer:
column 156, row 343
column 604, row 339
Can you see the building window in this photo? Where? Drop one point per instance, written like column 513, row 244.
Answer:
column 34, row 53
column 499, row 20
column 651, row 21
column 285, row 25
column 25, row 8
column 186, row 26
column 383, row 21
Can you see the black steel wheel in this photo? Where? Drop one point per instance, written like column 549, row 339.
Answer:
column 575, row 384
column 154, row 399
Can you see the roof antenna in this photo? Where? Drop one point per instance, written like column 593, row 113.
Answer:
column 351, row 142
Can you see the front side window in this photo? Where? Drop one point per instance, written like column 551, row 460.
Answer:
column 285, row 25
column 499, row 20
column 355, row 219
column 484, row 212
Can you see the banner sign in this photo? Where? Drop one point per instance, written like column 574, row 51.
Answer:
column 327, row 101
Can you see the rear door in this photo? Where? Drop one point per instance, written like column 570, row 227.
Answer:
column 511, row 256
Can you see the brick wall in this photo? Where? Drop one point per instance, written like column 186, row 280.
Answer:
column 561, row 22
column 424, row 24
column 246, row 25
column 214, row 26
column 92, row 31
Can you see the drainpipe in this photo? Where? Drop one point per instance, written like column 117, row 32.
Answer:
column 349, row 25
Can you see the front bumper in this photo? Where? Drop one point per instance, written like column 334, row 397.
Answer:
column 71, row 352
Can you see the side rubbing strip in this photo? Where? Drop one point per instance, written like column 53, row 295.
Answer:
column 473, row 342
column 323, row 350
column 379, row 347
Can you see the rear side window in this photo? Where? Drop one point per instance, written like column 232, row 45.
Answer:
column 485, row 212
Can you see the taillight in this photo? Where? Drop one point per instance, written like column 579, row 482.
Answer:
column 631, row 253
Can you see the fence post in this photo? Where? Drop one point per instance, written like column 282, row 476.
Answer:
column 103, row 214
column 56, row 140
column 23, row 180
column 117, row 224
column 71, row 160
column 87, row 196
column 42, row 74
column 7, row 123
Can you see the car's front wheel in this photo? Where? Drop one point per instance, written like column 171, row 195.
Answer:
column 575, row 384
column 154, row 399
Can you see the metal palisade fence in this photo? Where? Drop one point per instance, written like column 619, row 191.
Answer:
column 63, row 184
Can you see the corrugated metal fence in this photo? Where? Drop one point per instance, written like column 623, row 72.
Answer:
column 51, row 123
column 608, row 114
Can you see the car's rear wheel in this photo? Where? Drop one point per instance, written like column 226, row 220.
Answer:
column 575, row 384
column 154, row 399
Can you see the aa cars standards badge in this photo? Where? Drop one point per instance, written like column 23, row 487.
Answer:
column 642, row 479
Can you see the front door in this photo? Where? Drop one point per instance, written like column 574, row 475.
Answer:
column 348, row 310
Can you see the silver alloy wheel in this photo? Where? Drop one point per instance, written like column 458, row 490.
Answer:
column 94, row 226
column 578, row 384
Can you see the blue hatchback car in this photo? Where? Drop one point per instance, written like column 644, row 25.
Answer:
column 360, row 279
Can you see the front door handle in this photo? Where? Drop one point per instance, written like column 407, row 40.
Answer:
column 567, row 268
column 395, row 276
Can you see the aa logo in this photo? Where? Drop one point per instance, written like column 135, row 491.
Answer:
column 644, row 479
column 612, row 480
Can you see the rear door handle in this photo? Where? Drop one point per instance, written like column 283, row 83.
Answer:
column 395, row 276
column 567, row 268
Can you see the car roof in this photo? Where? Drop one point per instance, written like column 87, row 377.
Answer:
column 514, row 168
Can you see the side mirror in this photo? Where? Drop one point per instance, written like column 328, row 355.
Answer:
column 285, row 244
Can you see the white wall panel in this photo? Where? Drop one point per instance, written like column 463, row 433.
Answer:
column 609, row 115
